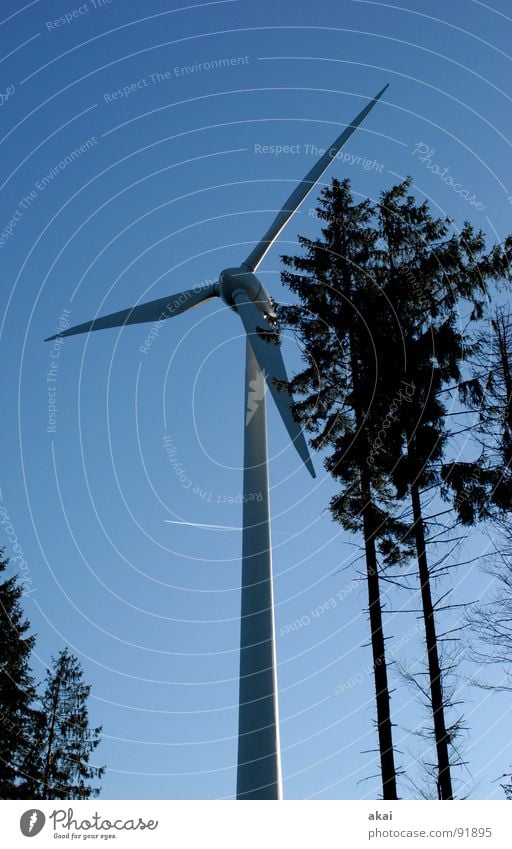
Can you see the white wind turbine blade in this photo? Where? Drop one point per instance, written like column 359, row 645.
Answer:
column 304, row 188
column 270, row 361
column 151, row 311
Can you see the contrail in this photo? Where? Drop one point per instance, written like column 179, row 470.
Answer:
column 211, row 527
column 206, row 527
column 242, row 291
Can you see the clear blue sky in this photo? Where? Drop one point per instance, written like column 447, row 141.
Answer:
column 166, row 191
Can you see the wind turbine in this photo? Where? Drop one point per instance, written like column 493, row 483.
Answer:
column 259, row 767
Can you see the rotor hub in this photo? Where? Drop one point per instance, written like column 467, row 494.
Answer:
column 233, row 279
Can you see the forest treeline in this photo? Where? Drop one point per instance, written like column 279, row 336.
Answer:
column 45, row 738
column 407, row 390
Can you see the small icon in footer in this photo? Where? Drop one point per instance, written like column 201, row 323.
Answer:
column 32, row 822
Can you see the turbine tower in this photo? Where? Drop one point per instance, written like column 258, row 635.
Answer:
column 259, row 768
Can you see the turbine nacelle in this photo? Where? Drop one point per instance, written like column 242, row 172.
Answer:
column 244, row 293
column 233, row 280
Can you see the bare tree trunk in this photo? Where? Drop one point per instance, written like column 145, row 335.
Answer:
column 444, row 780
column 51, row 734
column 384, row 725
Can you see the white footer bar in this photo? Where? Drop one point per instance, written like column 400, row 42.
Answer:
column 258, row 825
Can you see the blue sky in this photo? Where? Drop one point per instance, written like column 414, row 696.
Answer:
column 169, row 187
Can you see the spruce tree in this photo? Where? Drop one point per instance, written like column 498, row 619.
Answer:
column 336, row 296
column 58, row 766
column 482, row 489
column 17, row 691
column 426, row 276
column 378, row 316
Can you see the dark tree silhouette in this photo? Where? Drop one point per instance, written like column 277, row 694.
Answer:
column 426, row 277
column 58, row 766
column 17, row 690
column 423, row 268
column 482, row 490
column 337, row 304
column 380, row 294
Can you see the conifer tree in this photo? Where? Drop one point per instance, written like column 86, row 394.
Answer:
column 58, row 766
column 336, row 293
column 17, row 690
column 482, row 489
column 378, row 316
